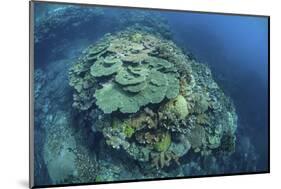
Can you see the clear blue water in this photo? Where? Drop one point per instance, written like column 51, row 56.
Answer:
column 234, row 47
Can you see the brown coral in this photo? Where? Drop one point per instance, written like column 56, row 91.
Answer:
column 143, row 120
column 148, row 137
column 163, row 159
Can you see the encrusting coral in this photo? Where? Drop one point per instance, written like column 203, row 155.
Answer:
column 156, row 102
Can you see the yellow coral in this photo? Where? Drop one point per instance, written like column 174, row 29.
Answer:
column 181, row 106
column 128, row 130
column 177, row 106
column 132, row 124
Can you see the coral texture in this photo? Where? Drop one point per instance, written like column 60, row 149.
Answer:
column 156, row 103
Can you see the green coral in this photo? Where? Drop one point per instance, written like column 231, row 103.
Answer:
column 112, row 97
column 174, row 86
column 158, row 63
column 214, row 141
column 128, row 130
column 135, row 87
column 127, row 77
column 164, row 143
column 96, row 51
column 180, row 105
column 105, row 66
column 131, row 86
column 176, row 107
column 134, row 58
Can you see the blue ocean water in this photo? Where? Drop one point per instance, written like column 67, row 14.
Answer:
column 234, row 47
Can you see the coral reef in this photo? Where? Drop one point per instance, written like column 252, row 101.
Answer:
column 163, row 159
column 177, row 106
column 66, row 160
column 135, row 78
column 155, row 103
column 138, row 102
column 141, row 107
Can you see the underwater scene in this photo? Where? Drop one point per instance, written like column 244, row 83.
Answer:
column 126, row 94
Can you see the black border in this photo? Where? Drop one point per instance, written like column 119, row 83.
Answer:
column 31, row 113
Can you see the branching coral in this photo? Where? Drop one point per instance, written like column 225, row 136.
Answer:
column 164, row 143
column 163, row 156
column 163, row 159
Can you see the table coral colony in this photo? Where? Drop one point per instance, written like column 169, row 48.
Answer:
column 150, row 100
